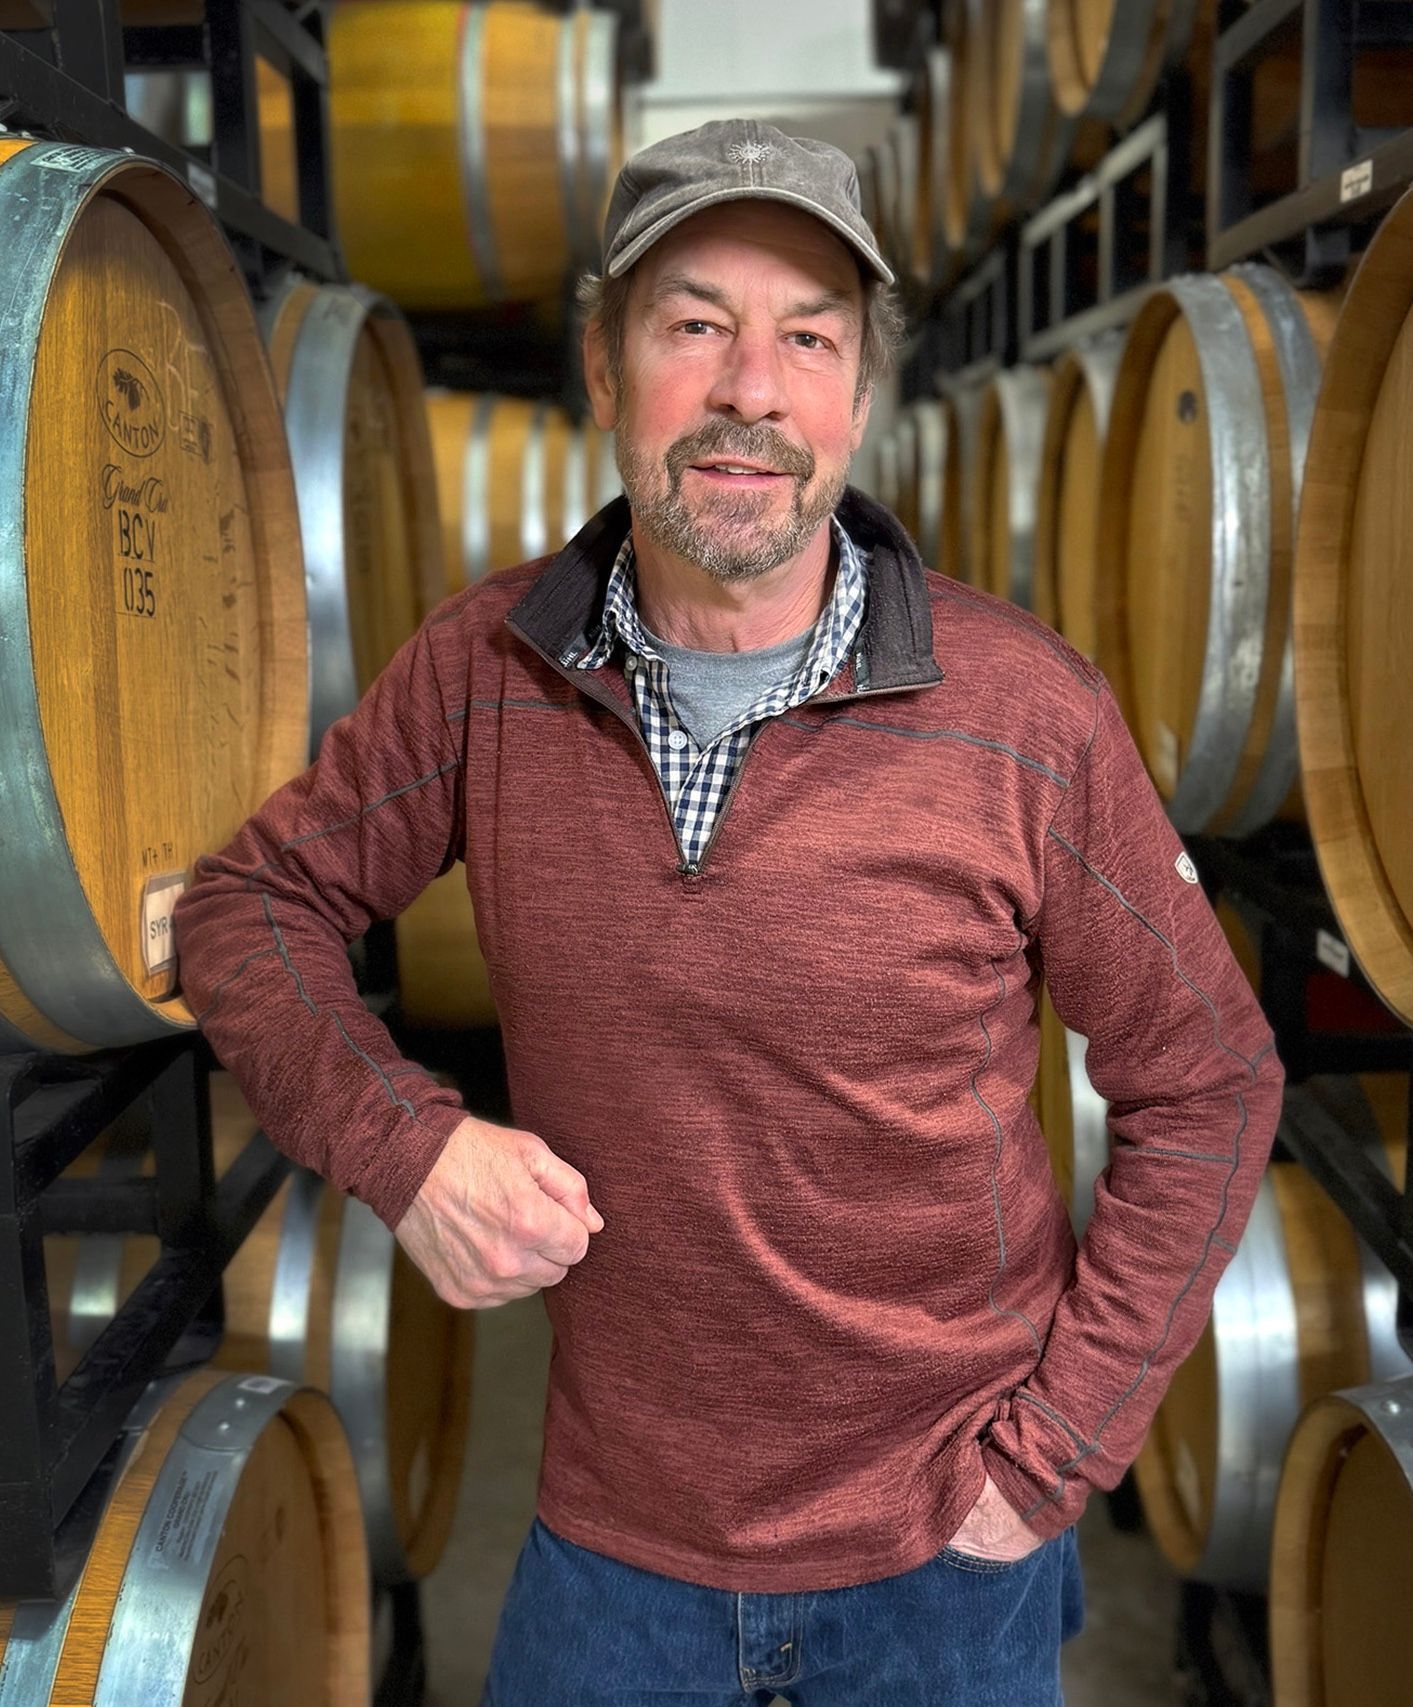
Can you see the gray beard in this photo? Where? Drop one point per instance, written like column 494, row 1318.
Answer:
column 730, row 537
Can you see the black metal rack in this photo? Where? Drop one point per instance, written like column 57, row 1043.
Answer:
column 1324, row 173
column 54, row 1440
column 1327, row 1019
column 67, row 81
column 1079, row 272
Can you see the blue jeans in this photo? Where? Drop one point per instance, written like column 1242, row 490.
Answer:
column 579, row 1629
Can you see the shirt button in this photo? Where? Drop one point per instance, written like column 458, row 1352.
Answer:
column 677, row 740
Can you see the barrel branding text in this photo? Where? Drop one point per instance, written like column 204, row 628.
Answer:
column 130, row 402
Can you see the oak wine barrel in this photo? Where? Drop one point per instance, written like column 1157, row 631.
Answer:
column 1342, row 1552
column 932, row 479
column 1201, row 483
column 152, row 611
column 1022, row 137
column 473, row 146
column 933, row 95
column 1072, row 1114
column 506, row 483
column 319, row 1293
column 1067, row 512
column 351, row 381
column 1354, row 612
column 966, row 210
column 1005, row 479
column 1107, row 56
column 229, row 1563
column 1302, row 1308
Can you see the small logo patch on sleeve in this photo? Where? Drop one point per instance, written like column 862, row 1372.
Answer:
column 1186, row 870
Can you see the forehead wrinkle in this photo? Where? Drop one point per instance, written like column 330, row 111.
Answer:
column 678, row 284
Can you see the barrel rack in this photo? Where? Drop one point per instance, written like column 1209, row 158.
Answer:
column 1306, row 201
column 62, row 78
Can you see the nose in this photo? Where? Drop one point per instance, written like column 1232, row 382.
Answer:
column 750, row 382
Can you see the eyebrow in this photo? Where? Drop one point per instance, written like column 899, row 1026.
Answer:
column 678, row 284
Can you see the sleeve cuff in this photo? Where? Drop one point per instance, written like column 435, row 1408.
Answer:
column 400, row 1167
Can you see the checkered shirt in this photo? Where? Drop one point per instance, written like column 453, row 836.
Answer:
column 695, row 779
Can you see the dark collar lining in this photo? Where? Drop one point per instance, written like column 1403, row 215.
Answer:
column 896, row 639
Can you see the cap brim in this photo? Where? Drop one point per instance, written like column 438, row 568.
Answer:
column 748, row 192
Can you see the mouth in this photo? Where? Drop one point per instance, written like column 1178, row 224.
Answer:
column 748, row 475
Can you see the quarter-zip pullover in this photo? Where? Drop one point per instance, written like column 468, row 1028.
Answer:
column 836, row 1283
column 697, row 778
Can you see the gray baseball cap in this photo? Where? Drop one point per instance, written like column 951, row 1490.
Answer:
column 733, row 160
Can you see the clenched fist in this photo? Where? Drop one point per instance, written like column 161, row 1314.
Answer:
column 499, row 1217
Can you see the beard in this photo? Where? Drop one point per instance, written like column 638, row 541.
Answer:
column 731, row 536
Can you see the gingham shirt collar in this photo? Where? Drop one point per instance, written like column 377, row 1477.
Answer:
column 697, row 780
column 834, row 632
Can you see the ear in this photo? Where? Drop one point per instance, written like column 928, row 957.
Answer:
column 861, row 409
column 603, row 399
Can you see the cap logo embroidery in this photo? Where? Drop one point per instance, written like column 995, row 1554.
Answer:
column 749, row 153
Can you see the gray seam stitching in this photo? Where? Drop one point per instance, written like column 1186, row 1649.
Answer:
column 1057, row 1492
column 1055, row 1416
column 230, row 978
column 1074, row 777
column 1165, row 1150
column 307, row 999
column 345, row 823
column 995, row 1168
column 931, row 735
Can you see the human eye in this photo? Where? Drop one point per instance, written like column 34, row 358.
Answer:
column 809, row 341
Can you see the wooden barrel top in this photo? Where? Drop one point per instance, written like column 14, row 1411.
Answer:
column 1354, row 612
column 179, row 702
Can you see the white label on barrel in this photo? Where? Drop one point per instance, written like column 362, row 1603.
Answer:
column 261, row 1384
column 159, row 897
column 1331, row 952
column 1356, row 181
column 203, row 182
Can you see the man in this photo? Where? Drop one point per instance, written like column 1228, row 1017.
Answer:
column 772, row 835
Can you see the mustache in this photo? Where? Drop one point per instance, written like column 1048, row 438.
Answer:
column 721, row 441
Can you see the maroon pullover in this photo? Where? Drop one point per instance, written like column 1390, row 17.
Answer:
column 836, row 1282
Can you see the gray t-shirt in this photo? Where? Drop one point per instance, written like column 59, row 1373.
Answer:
column 711, row 690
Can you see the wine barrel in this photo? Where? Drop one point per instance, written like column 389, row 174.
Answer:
column 905, row 444
column 929, row 478
column 966, row 210
column 1353, row 610
column 501, row 467
column 1303, row 1308
column 473, row 146
column 229, row 1564
column 1107, row 56
column 1342, row 1552
column 351, row 382
column 152, row 614
column 1006, row 480
column 1022, row 137
column 900, row 149
column 887, row 471
column 279, row 172
column 1067, row 507
column 932, row 98
column 1072, row 1114
column 1200, row 487
column 320, row 1293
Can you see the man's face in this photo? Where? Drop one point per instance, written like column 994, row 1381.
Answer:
column 741, row 352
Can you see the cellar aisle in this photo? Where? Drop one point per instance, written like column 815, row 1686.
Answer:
column 1122, row 1658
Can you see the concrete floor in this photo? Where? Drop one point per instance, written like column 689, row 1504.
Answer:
column 1121, row 1659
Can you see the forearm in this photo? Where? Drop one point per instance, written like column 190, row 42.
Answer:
column 1136, row 962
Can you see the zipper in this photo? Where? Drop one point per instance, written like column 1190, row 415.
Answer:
column 584, row 681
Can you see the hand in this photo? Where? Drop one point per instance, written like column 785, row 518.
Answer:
column 993, row 1529
column 499, row 1217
